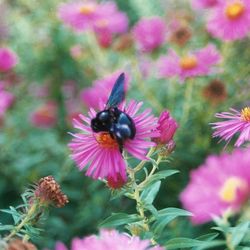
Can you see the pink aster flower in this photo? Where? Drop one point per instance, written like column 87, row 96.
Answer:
column 109, row 22
column 167, row 127
column 8, row 59
column 100, row 90
column 44, row 116
column 197, row 63
column 204, row 4
column 235, row 122
column 150, row 33
column 221, row 184
column 101, row 151
column 110, row 19
column 230, row 20
column 109, row 240
column 6, row 100
column 78, row 15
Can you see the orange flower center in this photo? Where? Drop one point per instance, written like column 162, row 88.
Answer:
column 102, row 23
column 188, row 62
column 106, row 141
column 87, row 9
column 228, row 192
column 245, row 114
column 235, row 10
column 45, row 111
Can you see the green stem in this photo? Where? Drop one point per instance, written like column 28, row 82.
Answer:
column 187, row 101
column 28, row 217
column 142, row 163
column 97, row 53
column 144, row 89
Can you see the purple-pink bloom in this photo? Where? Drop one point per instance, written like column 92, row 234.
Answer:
column 100, row 17
column 110, row 19
column 45, row 116
column 167, row 127
column 196, row 63
column 220, row 185
column 204, row 4
column 109, row 240
column 78, row 15
column 235, row 122
column 100, row 90
column 8, row 59
column 230, row 20
column 101, row 151
column 6, row 100
column 150, row 33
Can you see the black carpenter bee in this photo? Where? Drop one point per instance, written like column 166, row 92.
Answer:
column 117, row 123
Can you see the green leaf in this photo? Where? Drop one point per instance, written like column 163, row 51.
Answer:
column 148, row 195
column 239, row 232
column 167, row 215
column 6, row 227
column 118, row 219
column 161, row 175
column 180, row 243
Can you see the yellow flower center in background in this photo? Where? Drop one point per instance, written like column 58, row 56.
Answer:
column 88, row 9
column 245, row 114
column 188, row 62
column 102, row 23
column 228, row 192
column 106, row 141
column 235, row 10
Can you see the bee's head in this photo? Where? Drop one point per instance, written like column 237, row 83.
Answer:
column 102, row 122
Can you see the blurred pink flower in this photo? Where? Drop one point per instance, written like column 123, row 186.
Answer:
column 104, row 39
column 102, row 151
column 150, row 33
column 236, row 122
column 100, row 90
column 8, row 59
column 100, row 17
column 109, row 240
column 45, row 116
column 204, row 4
column 110, row 19
column 197, row 63
column 78, row 15
column 167, row 127
column 76, row 51
column 230, row 20
column 221, row 184
column 6, row 100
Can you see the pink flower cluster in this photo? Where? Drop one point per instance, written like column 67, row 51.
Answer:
column 197, row 63
column 150, row 33
column 221, row 184
column 103, row 18
column 228, row 20
column 109, row 240
column 8, row 59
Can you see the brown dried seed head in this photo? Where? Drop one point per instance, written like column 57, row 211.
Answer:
column 49, row 191
column 181, row 35
column 215, row 92
column 18, row 244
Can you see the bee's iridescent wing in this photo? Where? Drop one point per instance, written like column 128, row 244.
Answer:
column 118, row 92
